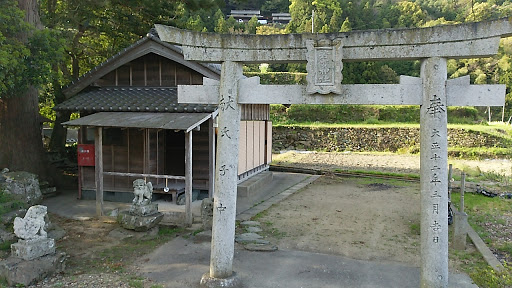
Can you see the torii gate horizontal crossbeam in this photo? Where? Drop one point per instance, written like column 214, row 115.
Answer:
column 408, row 92
column 469, row 40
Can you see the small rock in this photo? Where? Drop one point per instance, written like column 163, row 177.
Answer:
column 250, row 223
column 56, row 232
column 9, row 217
column 120, row 234
column 247, row 238
column 114, row 213
column 253, row 229
column 260, row 247
column 261, row 242
column 6, row 236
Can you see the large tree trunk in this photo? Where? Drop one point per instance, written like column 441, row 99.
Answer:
column 21, row 146
column 21, row 142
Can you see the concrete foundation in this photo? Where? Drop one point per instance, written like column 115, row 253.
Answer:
column 254, row 184
column 460, row 230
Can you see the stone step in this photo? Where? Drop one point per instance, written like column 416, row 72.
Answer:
column 49, row 192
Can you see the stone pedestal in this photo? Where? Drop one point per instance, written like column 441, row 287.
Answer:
column 22, row 272
column 144, row 210
column 460, row 231
column 32, row 249
column 140, row 217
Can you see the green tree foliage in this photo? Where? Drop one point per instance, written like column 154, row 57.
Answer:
column 411, row 14
column 24, row 63
column 300, row 11
column 346, row 26
column 195, row 23
column 275, row 6
column 252, row 25
column 220, row 22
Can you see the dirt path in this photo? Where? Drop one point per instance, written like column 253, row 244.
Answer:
column 357, row 218
column 367, row 219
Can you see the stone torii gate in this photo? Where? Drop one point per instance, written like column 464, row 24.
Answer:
column 324, row 54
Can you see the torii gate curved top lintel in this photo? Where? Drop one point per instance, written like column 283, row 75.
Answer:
column 324, row 54
column 469, row 40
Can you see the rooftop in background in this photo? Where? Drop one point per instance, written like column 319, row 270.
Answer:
column 282, row 18
column 245, row 15
column 131, row 99
column 149, row 44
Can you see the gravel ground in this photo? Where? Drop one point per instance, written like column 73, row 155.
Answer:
column 84, row 281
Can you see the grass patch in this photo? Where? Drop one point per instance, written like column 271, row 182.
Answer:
column 379, row 173
column 485, row 215
column 136, row 283
column 306, row 113
column 480, row 205
column 169, row 230
column 260, row 215
column 115, row 259
column 6, row 246
column 488, row 278
column 476, row 153
column 415, row 228
column 9, row 203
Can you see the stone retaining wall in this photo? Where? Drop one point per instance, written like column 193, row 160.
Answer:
column 372, row 139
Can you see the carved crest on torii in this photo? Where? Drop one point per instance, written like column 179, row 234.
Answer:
column 324, row 66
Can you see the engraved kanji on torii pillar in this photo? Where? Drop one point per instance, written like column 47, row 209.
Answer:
column 432, row 92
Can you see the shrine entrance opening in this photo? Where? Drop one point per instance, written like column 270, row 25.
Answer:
column 324, row 54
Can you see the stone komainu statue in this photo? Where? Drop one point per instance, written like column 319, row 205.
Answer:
column 143, row 192
column 33, row 225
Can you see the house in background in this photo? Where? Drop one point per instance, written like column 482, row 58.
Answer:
column 131, row 120
column 243, row 16
column 281, row 18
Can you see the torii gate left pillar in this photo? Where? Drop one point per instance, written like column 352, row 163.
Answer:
column 432, row 91
column 226, row 178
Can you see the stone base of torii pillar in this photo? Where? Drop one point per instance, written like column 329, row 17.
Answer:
column 232, row 281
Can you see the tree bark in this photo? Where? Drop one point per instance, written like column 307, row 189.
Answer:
column 21, row 142
column 21, row 145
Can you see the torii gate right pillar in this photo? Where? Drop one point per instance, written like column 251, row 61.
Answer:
column 433, row 174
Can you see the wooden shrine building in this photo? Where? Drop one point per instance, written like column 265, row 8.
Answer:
column 129, row 105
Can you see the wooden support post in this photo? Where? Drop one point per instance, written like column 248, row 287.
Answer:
column 98, row 169
column 460, row 231
column 188, row 177
column 211, row 155
column 462, row 190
